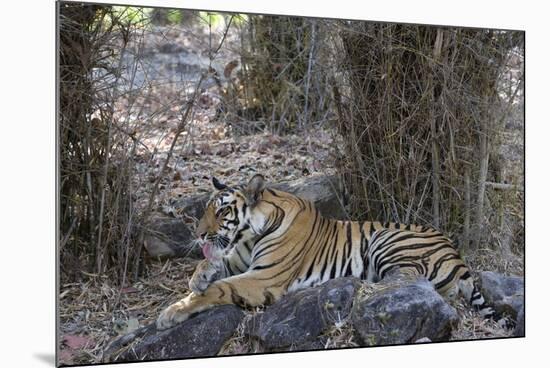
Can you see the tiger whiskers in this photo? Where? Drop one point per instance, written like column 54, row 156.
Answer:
column 196, row 243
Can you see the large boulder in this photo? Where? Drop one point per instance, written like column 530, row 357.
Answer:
column 295, row 321
column 171, row 237
column 402, row 313
column 504, row 293
column 324, row 191
column 201, row 336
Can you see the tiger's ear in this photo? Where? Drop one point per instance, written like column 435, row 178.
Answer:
column 217, row 184
column 253, row 189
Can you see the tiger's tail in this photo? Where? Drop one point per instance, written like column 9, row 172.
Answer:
column 470, row 291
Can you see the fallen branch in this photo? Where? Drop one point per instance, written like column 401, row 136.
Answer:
column 503, row 186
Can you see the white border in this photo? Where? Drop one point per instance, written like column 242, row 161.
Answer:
column 27, row 180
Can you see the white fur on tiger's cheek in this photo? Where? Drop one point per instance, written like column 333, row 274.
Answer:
column 257, row 224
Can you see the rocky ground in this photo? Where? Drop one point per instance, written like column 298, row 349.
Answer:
column 162, row 72
column 344, row 312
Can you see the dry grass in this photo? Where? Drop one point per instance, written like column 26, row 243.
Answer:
column 486, row 259
column 341, row 335
column 99, row 310
column 472, row 326
column 240, row 343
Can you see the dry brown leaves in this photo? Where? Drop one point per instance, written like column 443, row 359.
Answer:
column 94, row 311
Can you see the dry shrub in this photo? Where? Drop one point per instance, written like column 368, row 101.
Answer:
column 422, row 116
column 96, row 215
column 281, row 82
column 121, row 113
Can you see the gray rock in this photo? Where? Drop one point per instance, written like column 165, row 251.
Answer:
column 201, row 336
column 297, row 319
column 317, row 344
column 504, row 293
column 170, row 237
column 520, row 323
column 171, row 48
column 403, row 313
column 422, row 340
column 324, row 191
column 193, row 205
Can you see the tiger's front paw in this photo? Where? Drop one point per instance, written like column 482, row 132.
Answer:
column 205, row 273
column 171, row 316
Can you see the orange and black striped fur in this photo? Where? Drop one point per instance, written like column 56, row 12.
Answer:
column 271, row 242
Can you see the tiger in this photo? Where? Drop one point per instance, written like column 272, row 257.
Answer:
column 261, row 243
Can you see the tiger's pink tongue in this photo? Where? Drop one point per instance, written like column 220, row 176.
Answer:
column 207, row 250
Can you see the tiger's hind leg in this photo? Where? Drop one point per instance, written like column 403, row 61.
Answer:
column 396, row 273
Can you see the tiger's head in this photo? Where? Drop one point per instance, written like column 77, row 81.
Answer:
column 228, row 214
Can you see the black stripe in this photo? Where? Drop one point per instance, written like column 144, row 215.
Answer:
column 275, row 222
column 239, row 234
column 397, row 255
column 475, row 296
column 330, row 230
column 283, row 270
column 326, row 254
column 326, row 247
column 263, row 267
column 394, row 251
column 272, row 192
column 348, row 271
column 371, row 229
column 269, row 298
column 317, row 226
column 440, row 261
column 416, row 266
column 347, row 249
column 331, row 261
column 333, row 271
column 240, row 256
column 320, row 248
column 449, row 277
column 363, row 242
